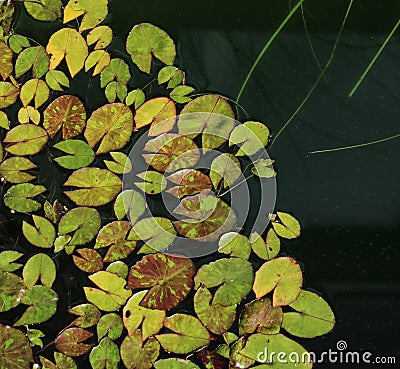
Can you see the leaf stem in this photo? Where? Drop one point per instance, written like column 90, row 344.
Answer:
column 370, row 65
column 357, row 146
column 236, row 185
column 265, row 48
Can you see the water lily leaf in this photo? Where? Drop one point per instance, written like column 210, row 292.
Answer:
column 15, row 351
column 20, row 197
column 146, row 41
column 7, row 259
column 153, row 182
column 189, row 181
column 42, row 234
column 18, row 42
column 105, row 355
column 69, row 342
column 226, row 168
column 283, row 275
column 67, row 43
column 39, row 266
column 47, row 364
column 159, row 113
column 81, row 155
column 234, row 244
column 218, row 319
column 99, row 59
column 131, row 203
column 262, row 168
column 64, row 361
column 97, row 186
column 61, row 243
column 113, row 235
column 121, row 164
column 189, row 334
column 43, row 10
column 265, row 250
column 83, row 223
column 11, row 291
column 251, row 137
column 175, row 363
column 111, row 125
column 135, row 315
column 101, row 36
column 172, row 75
column 4, row 121
column 119, row 268
column 212, row 360
column 55, row 79
column 117, row 70
column 116, row 89
column 8, row 94
column 313, row 316
column 26, row 139
column 42, row 303
column 13, row 169
column 170, row 279
column 66, row 112
column 88, row 315
column 29, row 114
column 112, row 294
column 266, row 344
column 179, row 94
column 289, row 227
column 234, row 277
column 216, row 122
column 93, row 14
column 207, row 217
column 7, row 11
column 157, row 232
column 53, row 212
column 170, row 152
column 110, row 325
column 34, row 58
column 34, row 89
column 136, row 97
column 260, row 316
column 90, row 260
column 34, row 337
column 6, row 64
column 136, row 355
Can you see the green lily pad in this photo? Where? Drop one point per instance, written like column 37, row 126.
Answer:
column 189, row 334
column 56, row 80
column 44, row 10
column 6, row 64
column 11, row 291
column 83, row 223
column 265, row 250
column 234, row 244
column 35, row 90
column 172, row 75
column 136, row 97
column 4, row 121
column 92, row 15
column 15, row 351
column 137, row 355
column 119, row 268
column 90, row 261
column 263, row 168
column 135, row 315
column 20, row 197
column 26, row 139
column 68, row 113
column 170, row 152
column 34, row 337
column 96, row 186
column 234, row 277
column 7, row 259
column 101, row 36
column 288, row 227
column 42, row 303
column 313, row 316
column 117, row 71
column 146, row 41
column 17, row 42
column 112, row 293
column 180, row 94
column 175, row 363
column 216, row 122
column 88, row 315
column 8, row 94
column 226, row 168
column 39, row 266
column 105, row 355
column 189, row 182
column 218, row 319
column 170, row 279
column 42, row 234
column 13, row 169
column 153, row 182
column 131, row 203
column 99, row 59
column 80, row 154
column 121, row 163
column 110, row 126
column 70, row 341
column 34, row 58
column 110, row 325
column 251, row 137
column 260, row 316
column 283, row 275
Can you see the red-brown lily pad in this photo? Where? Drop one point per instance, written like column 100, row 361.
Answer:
column 189, row 181
column 69, row 342
column 170, row 279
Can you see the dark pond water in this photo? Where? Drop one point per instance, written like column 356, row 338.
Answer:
column 347, row 201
